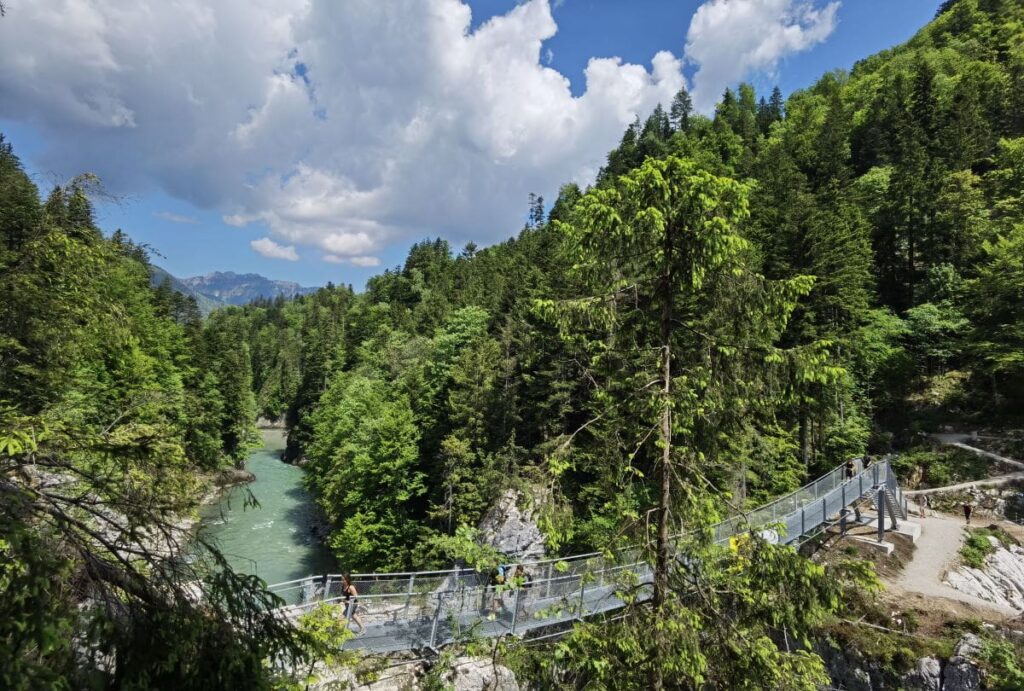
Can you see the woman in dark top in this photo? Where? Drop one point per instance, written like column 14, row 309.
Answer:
column 348, row 590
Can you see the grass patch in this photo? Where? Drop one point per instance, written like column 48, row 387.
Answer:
column 977, row 547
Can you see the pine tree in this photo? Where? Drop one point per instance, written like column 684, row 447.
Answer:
column 682, row 107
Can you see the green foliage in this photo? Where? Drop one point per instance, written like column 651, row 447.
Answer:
column 927, row 468
column 364, row 465
column 1002, row 660
column 977, row 547
column 724, row 623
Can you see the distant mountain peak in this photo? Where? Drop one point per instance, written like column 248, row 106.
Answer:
column 220, row 288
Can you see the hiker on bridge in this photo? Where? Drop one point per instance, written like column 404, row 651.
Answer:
column 348, row 589
column 499, row 582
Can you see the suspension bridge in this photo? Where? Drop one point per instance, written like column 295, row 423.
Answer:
column 431, row 609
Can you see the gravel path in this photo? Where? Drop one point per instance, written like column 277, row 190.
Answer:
column 990, row 482
column 957, row 440
column 936, row 552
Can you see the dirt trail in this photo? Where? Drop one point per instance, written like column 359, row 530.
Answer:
column 937, row 548
column 957, row 440
column 989, row 482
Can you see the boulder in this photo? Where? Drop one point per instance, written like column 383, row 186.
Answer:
column 961, row 674
column 927, row 676
column 512, row 530
column 480, row 674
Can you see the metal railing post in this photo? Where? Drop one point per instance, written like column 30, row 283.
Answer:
column 437, row 617
column 583, row 589
column 881, row 515
column 515, row 610
column 409, row 590
column 824, row 510
column 547, row 585
column 803, row 527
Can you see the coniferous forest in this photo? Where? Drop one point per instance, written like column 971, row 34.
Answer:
column 738, row 304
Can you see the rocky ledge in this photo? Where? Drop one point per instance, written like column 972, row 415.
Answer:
column 852, row 671
column 1001, row 581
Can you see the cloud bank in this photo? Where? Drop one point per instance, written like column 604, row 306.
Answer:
column 350, row 126
column 731, row 39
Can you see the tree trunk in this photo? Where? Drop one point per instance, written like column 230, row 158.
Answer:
column 805, row 435
column 661, row 565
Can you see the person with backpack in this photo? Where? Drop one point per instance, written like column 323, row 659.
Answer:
column 500, row 578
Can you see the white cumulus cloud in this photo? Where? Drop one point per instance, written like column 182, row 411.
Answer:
column 731, row 39
column 270, row 249
column 349, row 126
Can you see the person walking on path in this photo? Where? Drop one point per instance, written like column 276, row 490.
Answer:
column 348, row 589
column 849, row 469
column 924, row 505
column 968, row 510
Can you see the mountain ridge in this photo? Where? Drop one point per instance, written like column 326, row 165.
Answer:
column 223, row 288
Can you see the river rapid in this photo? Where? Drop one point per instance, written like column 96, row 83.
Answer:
column 274, row 540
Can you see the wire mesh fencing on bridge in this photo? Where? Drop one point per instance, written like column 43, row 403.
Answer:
column 411, row 610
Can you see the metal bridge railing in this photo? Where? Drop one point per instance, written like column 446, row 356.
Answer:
column 429, row 608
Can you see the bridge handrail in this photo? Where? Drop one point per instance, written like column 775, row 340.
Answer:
column 759, row 516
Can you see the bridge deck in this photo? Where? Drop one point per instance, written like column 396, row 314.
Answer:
column 406, row 611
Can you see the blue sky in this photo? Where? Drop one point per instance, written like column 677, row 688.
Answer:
column 333, row 140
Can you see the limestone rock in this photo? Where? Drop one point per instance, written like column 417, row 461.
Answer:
column 961, row 674
column 480, row 674
column 1001, row 581
column 927, row 676
column 969, row 646
column 512, row 530
column 399, row 678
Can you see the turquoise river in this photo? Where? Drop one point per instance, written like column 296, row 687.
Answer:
column 274, row 540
